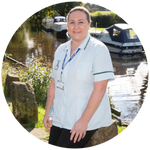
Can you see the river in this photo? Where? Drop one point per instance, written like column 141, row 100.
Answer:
column 131, row 72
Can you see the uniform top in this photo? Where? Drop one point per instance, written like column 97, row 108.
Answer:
column 91, row 64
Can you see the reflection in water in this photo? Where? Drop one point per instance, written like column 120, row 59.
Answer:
column 129, row 88
column 29, row 42
column 131, row 71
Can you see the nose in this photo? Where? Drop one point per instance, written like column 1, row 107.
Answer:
column 76, row 25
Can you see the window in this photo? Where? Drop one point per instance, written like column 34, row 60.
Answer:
column 116, row 32
column 131, row 34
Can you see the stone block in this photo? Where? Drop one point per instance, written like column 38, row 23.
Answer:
column 9, row 79
column 103, row 134
column 24, row 105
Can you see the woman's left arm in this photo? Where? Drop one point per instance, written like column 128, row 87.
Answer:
column 95, row 99
column 79, row 129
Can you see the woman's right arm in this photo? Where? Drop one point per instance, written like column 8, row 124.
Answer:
column 49, row 103
column 50, row 96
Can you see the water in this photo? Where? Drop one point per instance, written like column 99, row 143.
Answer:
column 131, row 72
column 130, row 85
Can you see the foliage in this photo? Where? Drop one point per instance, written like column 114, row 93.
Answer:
column 105, row 20
column 122, row 130
column 110, row 99
column 52, row 9
column 39, row 77
column 93, row 7
column 67, row 6
column 97, row 13
column 5, row 70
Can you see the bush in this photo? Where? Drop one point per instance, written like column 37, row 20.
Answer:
column 104, row 21
column 39, row 77
column 97, row 13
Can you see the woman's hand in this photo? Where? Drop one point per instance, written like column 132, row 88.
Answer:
column 78, row 131
column 47, row 122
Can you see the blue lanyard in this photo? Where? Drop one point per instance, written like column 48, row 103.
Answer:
column 73, row 55
column 64, row 64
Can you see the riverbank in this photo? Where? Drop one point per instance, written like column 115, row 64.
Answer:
column 38, row 130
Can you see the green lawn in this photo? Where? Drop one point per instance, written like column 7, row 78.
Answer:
column 101, row 12
column 120, row 128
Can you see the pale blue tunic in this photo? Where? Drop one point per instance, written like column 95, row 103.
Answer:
column 91, row 64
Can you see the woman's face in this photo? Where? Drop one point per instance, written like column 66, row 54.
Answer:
column 78, row 26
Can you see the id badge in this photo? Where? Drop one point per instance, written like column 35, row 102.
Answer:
column 60, row 85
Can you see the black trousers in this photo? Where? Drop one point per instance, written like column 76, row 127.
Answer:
column 61, row 137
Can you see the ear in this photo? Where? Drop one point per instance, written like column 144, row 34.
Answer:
column 89, row 25
column 67, row 25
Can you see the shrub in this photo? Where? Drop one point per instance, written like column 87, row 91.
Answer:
column 105, row 20
column 39, row 77
column 97, row 13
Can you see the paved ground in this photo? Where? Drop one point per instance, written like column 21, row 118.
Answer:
column 39, row 133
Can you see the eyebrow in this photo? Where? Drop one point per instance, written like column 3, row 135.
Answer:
column 78, row 20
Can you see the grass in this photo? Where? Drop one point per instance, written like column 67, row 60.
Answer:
column 98, row 29
column 39, row 124
column 41, row 111
column 101, row 12
column 122, row 130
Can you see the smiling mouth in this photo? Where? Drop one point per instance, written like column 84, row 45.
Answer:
column 77, row 32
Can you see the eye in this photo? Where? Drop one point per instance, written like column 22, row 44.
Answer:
column 71, row 22
column 81, row 22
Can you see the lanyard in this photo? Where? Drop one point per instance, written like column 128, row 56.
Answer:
column 64, row 64
column 73, row 55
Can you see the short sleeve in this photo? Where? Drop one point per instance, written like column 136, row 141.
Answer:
column 52, row 75
column 102, row 65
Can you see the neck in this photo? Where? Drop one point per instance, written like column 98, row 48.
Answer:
column 75, row 44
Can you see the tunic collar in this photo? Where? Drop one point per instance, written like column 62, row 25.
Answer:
column 82, row 46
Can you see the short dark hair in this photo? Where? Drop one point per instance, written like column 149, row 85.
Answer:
column 79, row 8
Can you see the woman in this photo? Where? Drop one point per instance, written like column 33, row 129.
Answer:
column 81, row 70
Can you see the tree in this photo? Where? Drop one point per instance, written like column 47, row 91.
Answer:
column 63, row 8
